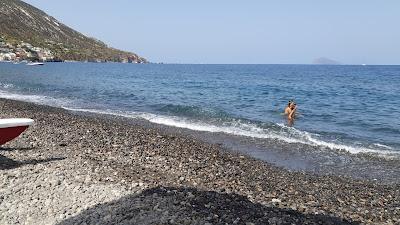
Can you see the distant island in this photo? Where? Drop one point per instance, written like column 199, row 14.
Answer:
column 27, row 33
column 325, row 61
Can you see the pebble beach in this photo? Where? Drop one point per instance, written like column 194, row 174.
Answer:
column 71, row 168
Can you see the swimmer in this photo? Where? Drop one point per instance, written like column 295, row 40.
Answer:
column 290, row 110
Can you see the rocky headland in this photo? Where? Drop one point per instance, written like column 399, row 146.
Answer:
column 28, row 33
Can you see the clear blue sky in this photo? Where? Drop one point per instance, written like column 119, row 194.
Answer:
column 232, row 31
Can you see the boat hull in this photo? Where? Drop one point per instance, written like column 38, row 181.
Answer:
column 9, row 133
column 35, row 64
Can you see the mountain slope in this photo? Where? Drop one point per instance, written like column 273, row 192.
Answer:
column 325, row 61
column 20, row 21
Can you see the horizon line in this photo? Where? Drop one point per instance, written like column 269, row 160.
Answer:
column 312, row 64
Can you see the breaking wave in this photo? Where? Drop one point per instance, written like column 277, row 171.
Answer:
column 199, row 119
column 246, row 129
column 38, row 99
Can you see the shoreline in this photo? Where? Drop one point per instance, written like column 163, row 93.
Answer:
column 375, row 167
column 164, row 177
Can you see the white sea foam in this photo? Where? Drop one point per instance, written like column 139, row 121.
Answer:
column 287, row 134
column 383, row 146
column 38, row 99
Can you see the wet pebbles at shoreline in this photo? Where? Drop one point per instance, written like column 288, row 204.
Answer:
column 77, row 169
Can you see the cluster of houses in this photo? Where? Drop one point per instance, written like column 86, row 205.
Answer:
column 23, row 51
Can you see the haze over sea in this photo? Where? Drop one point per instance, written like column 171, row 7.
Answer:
column 351, row 108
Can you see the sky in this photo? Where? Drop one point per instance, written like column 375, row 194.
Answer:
column 232, row 31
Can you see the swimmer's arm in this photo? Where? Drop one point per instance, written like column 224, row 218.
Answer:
column 291, row 114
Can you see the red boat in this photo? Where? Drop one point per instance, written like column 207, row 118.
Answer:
column 12, row 128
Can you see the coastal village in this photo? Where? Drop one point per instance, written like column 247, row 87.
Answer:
column 21, row 51
column 18, row 51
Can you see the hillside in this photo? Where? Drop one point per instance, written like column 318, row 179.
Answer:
column 325, row 61
column 21, row 22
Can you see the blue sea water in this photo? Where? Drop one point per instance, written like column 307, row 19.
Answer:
column 353, row 108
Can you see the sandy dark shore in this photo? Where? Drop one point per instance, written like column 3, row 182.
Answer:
column 81, row 169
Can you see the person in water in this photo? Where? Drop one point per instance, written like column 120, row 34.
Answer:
column 290, row 110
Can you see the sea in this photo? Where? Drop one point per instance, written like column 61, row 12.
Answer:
column 344, row 111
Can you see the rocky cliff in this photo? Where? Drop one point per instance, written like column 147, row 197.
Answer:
column 21, row 22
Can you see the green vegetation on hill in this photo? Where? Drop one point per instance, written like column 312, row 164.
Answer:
column 21, row 22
